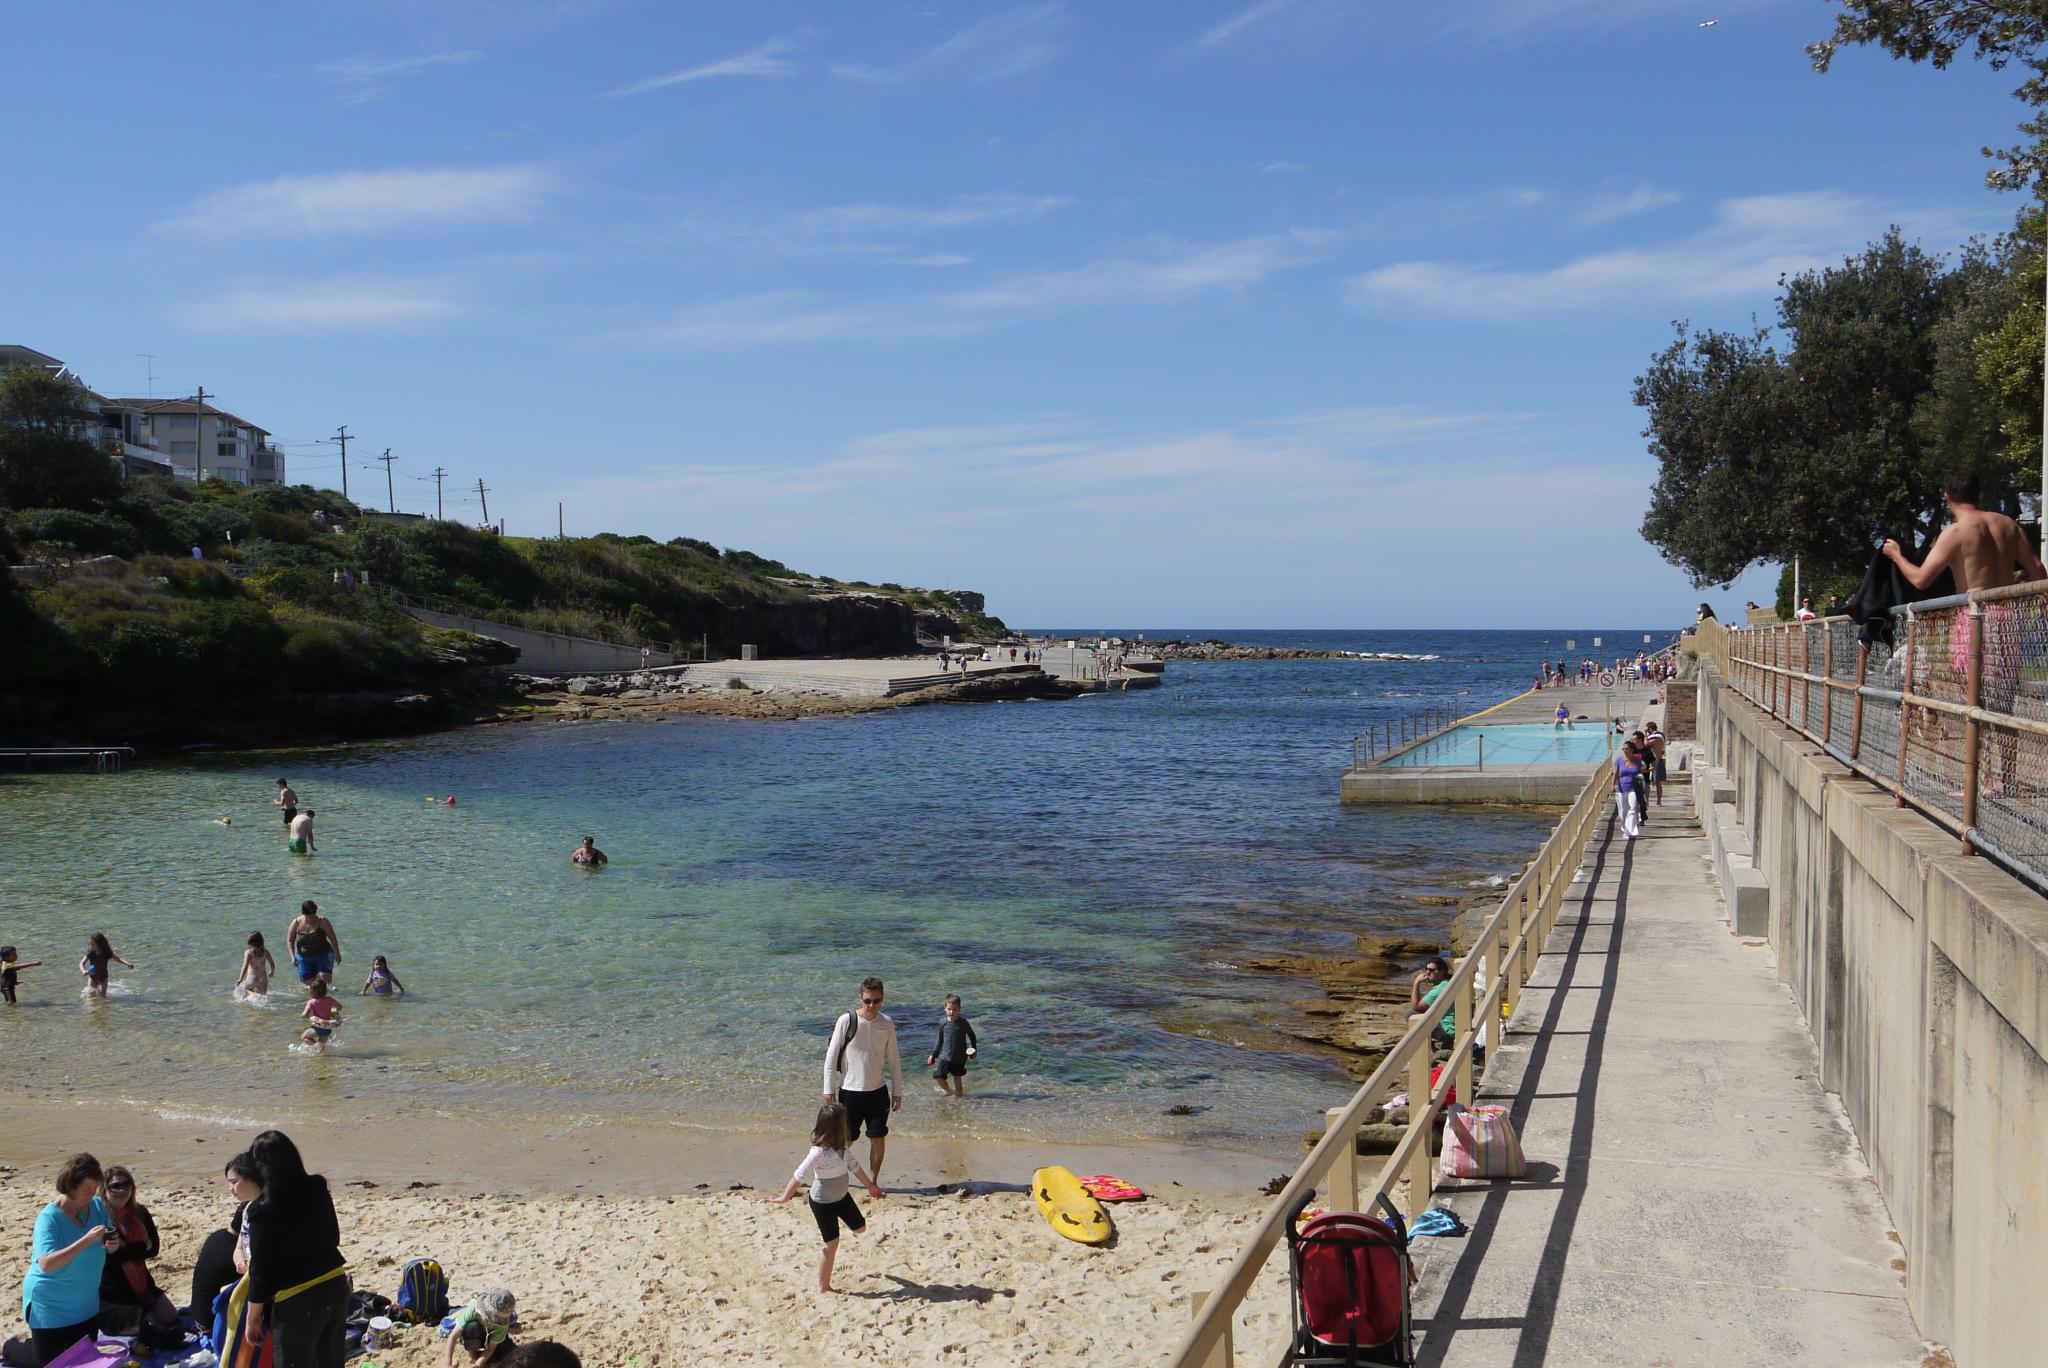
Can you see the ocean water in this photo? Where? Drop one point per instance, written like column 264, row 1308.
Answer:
column 1090, row 876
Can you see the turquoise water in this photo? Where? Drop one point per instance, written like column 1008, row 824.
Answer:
column 1521, row 743
column 1090, row 876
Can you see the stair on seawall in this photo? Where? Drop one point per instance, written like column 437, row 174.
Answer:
column 102, row 759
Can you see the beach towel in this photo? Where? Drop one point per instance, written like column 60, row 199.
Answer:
column 1104, row 1188
column 230, row 1337
column 90, row 1351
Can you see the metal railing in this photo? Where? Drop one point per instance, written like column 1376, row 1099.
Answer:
column 1398, row 733
column 1506, row 950
column 1951, row 718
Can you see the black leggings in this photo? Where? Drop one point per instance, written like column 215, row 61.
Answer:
column 51, row 1343
column 310, row 1330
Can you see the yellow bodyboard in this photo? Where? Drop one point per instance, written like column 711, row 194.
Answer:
column 1068, row 1208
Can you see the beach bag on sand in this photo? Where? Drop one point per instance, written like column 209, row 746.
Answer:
column 1481, row 1143
column 422, row 1293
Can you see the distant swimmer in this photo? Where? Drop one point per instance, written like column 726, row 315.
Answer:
column 1564, row 718
column 302, row 833
column 287, row 801
column 314, row 944
column 224, row 821
column 589, row 854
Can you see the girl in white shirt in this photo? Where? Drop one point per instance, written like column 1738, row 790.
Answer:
column 829, row 1169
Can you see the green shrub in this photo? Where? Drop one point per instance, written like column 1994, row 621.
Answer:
column 100, row 534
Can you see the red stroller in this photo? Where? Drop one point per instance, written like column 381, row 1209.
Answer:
column 1350, row 1274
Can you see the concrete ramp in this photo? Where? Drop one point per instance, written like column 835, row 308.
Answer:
column 1694, row 1197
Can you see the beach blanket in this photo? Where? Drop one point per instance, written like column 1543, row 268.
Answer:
column 230, row 1338
column 90, row 1352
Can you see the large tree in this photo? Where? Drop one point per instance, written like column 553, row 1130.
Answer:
column 42, row 463
column 1824, row 436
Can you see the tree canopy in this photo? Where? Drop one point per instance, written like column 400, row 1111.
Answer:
column 1823, row 436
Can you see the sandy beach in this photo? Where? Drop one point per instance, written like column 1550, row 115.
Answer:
column 660, row 1271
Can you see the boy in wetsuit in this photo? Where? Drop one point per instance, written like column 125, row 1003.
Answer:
column 955, row 1045
column 9, row 968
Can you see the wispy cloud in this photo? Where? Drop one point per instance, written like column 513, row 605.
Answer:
column 1163, row 274
column 1281, row 168
column 1611, row 206
column 361, row 78
column 361, row 202
column 962, row 211
column 1007, row 44
column 1222, row 33
column 324, row 305
column 1742, row 252
column 769, row 59
column 932, row 259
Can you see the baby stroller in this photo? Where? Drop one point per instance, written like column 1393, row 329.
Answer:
column 1350, row 1274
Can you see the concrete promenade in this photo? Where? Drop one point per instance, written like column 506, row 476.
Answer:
column 1694, row 1197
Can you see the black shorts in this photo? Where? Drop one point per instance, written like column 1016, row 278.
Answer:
column 870, row 1109
column 828, row 1215
column 952, row 1069
column 289, row 813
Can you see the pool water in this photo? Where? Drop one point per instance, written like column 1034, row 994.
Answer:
column 1520, row 743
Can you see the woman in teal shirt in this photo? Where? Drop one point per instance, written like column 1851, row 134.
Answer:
column 60, row 1295
column 1428, row 986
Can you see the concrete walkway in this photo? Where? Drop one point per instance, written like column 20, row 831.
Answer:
column 1693, row 1196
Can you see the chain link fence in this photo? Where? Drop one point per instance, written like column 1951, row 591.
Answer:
column 1951, row 715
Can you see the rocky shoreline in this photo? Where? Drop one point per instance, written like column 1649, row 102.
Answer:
column 1214, row 648
column 655, row 693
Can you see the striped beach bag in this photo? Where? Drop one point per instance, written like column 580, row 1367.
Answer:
column 1480, row 1142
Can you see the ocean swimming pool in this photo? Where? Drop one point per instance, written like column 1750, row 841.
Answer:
column 1520, row 743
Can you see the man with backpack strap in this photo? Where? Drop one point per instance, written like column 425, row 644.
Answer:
column 864, row 1044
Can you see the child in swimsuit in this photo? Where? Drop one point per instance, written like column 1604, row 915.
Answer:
column 98, row 954
column 381, row 981
column 9, row 967
column 322, row 1012
column 257, row 967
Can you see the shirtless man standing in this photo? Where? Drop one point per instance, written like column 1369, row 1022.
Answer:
column 287, row 800
column 302, row 833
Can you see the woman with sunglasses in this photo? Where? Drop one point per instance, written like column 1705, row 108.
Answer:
column 125, row 1280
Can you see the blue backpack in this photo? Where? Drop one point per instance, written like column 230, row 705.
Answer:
column 422, row 1293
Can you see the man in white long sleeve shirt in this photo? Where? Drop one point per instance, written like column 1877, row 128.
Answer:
column 864, row 1044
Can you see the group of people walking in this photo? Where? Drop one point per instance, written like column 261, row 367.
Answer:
column 1637, row 769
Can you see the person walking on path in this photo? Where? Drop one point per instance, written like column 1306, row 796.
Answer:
column 1655, row 740
column 314, row 944
column 298, row 1284
column 1628, row 766
column 862, row 1047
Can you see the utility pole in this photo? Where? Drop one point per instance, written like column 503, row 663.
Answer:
column 559, row 534
column 342, row 434
column 439, row 475
column 480, row 493
column 390, row 495
column 199, row 437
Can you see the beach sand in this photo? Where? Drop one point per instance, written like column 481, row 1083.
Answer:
column 636, row 1262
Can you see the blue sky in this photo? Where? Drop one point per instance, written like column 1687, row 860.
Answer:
column 1288, row 313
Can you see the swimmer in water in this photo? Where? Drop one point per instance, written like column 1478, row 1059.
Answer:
column 257, row 966
column 94, row 965
column 588, row 854
column 381, row 981
column 322, row 1013
column 225, row 821
column 302, row 833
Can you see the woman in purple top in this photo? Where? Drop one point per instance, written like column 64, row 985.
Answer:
column 1627, row 766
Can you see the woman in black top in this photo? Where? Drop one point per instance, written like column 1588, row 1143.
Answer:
column 225, row 1255
column 298, row 1285
column 125, row 1280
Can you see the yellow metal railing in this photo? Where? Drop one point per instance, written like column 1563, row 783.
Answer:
column 1506, row 949
column 1952, row 717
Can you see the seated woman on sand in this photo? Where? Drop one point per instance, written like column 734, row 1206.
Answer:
column 125, row 1281
column 60, row 1295
column 224, row 1256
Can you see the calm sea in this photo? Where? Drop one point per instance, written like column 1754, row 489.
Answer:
column 1087, row 875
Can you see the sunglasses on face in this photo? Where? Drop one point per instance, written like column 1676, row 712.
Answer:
column 120, row 1187
column 870, row 1002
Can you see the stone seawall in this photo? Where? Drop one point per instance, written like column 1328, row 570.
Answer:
column 1923, row 977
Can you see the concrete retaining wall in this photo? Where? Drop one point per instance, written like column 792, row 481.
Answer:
column 1923, row 975
column 549, row 653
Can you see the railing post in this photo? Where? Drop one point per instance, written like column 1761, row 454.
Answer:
column 1805, row 679
column 1462, row 1061
column 1222, row 1355
column 1343, row 1179
column 1856, row 716
column 1510, row 973
column 1906, row 706
column 1532, row 943
column 1827, row 688
column 1420, row 1168
column 1973, row 737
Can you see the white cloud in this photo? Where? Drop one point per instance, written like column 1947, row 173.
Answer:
column 1611, row 206
column 932, row 259
column 962, row 211
column 766, row 60
column 1221, row 33
column 784, row 317
column 1169, row 272
column 326, row 305
column 379, row 68
column 1281, row 168
column 357, row 202
column 1742, row 252
column 1001, row 46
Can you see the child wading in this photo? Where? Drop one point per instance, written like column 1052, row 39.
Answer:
column 955, row 1046
column 830, row 1168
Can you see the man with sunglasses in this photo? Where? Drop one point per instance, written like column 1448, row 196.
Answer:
column 863, row 1045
